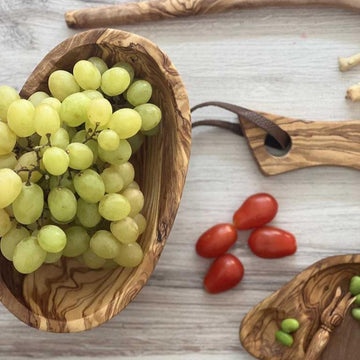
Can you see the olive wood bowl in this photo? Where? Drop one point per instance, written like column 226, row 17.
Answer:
column 66, row 296
column 306, row 298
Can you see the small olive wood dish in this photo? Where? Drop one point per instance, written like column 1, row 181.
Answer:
column 319, row 298
column 66, row 297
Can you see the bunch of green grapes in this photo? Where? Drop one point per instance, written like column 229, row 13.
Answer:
column 66, row 184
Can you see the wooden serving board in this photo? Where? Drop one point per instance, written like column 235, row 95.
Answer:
column 304, row 298
column 313, row 143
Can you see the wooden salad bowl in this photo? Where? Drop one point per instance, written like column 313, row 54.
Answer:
column 67, row 297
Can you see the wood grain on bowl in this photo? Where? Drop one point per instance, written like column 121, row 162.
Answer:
column 305, row 298
column 66, row 297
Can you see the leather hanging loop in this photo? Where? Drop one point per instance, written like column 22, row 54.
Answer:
column 279, row 135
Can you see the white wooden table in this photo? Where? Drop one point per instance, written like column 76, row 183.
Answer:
column 277, row 60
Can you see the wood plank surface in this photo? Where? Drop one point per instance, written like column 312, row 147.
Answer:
column 282, row 61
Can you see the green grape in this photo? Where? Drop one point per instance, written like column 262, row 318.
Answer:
column 93, row 261
column 8, row 161
column 52, row 238
column 90, row 186
column 7, row 139
column 79, row 137
column 126, row 66
column 141, row 222
column 9, row 210
column 139, row 92
column 87, row 75
column 29, row 205
column 28, row 255
column 133, row 185
column 11, row 239
column 5, row 222
column 114, row 207
column 93, row 94
column 37, row 97
column 56, row 161
column 73, row 111
column 53, row 102
column 110, row 264
column 62, row 204
column 20, row 118
column 77, row 241
column 136, row 141
column 29, row 161
column 136, row 200
column 87, row 214
column 10, row 187
column 93, row 146
column 126, row 122
column 112, row 179
column 127, row 173
column 130, row 255
column 71, row 131
column 104, row 244
column 150, row 116
column 115, row 81
column 125, row 230
column 154, row 131
column 108, row 140
column 81, row 156
column 99, row 63
column 62, row 84
column 53, row 257
column 99, row 112
column 46, row 120
column 59, row 139
column 117, row 157
column 64, row 180
column 7, row 96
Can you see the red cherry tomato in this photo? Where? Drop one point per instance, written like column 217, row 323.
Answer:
column 216, row 241
column 256, row 211
column 224, row 273
column 270, row 242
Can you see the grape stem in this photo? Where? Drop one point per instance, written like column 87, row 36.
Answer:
column 30, row 172
column 91, row 133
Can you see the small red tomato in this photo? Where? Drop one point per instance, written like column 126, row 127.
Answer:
column 257, row 210
column 224, row 273
column 216, row 241
column 270, row 242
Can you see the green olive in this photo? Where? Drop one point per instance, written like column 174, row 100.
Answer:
column 284, row 338
column 355, row 285
column 355, row 312
column 357, row 301
column 289, row 325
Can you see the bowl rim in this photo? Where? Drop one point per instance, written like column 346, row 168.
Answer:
column 182, row 155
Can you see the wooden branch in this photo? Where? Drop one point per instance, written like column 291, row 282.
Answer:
column 134, row 12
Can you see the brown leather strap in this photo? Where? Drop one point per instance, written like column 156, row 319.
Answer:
column 280, row 138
